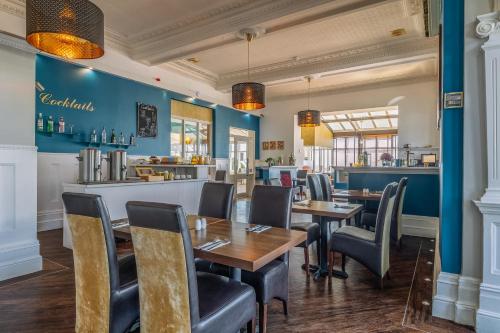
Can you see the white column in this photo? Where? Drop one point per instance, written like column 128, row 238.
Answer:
column 488, row 315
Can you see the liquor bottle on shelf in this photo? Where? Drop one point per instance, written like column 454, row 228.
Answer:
column 121, row 139
column 61, row 125
column 50, row 125
column 132, row 139
column 39, row 123
column 93, row 136
column 113, row 136
column 103, row 135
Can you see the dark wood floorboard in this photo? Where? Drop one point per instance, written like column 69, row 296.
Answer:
column 45, row 302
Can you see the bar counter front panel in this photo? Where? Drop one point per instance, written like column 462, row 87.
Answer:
column 422, row 192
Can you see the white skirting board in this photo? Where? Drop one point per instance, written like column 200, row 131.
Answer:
column 421, row 226
column 19, row 260
column 50, row 220
column 456, row 298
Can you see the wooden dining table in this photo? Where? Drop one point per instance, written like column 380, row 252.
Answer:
column 326, row 212
column 247, row 250
column 357, row 195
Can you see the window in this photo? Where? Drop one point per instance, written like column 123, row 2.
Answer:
column 190, row 130
column 373, row 131
column 188, row 138
column 319, row 159
column 346, row 149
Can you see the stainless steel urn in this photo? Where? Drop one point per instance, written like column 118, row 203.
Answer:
column 89, row 166
column 117, row 165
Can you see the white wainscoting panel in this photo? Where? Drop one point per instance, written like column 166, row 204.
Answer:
column 19, row 247
column 7, row 196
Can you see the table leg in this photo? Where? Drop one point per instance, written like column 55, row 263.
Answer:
column 323, row 268
column 236, row 273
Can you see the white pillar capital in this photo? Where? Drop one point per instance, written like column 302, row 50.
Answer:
column 488, row 25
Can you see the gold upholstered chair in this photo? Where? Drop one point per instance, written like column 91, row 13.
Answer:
column 174, row 298
column 107, row 294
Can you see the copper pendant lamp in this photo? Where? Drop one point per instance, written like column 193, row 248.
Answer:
column 249, row 95
column 72, row 29
column 309, row 118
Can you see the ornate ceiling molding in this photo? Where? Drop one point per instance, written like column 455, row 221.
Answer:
column 194, row 71
column 13, row 7
column 171, row 42
column 371, row 54
column 367, row 85
column 16, row 43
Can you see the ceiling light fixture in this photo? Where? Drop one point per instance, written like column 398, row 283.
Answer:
column 72, row 29
column 309, row 118
column 249, row 95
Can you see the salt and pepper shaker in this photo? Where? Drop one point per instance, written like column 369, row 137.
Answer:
column 203, row 223
column 198, row 224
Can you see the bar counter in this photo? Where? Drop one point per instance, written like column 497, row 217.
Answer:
column 422, row 193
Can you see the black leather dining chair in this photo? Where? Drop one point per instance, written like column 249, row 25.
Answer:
column 271, row 206
column 216, row 200
column 311, row 228
column 302, row 181
column 367, row 247
column 107, row 294
column 326, row 186
column 173, row 296
column 368, row 219
column 220, row 176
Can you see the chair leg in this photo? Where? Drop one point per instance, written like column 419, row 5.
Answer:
column 262, row 318
column 306, row 259
column 331, row 258
column 251, row 326
column 343, row 262
column 318, row 251
column 381, row 283
column 285, row 308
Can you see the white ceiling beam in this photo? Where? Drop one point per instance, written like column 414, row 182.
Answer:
column 367, row 57
column 173, row 43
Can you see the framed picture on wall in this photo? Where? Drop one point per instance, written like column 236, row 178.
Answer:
column 281, row 145
column 147, row 121
column 272, row 145
column 265, row 145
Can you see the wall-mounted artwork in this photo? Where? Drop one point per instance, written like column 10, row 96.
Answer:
column 281, row 145
column 147, row 121
column 272, row 145
column 265, row 145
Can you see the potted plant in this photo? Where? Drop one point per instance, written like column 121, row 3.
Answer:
column 291, row 159
column 386, row 159
column 269, row 161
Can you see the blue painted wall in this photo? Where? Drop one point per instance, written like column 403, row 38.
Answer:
column 224, row 118
column 114, row 101
column 422, row 192
column 452, row 138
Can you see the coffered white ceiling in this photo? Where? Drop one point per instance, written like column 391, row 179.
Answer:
column 344, row 43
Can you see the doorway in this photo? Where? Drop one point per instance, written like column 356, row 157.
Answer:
column 241, row 160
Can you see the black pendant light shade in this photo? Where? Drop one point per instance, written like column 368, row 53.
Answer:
column 309, row 118
column 72, row 29
column 249, row 96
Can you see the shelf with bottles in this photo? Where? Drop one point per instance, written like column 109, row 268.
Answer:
column 109, row 144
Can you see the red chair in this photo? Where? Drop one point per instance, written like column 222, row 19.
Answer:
column 286, row 178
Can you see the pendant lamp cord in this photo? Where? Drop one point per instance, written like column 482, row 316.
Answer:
column 308, row 92
column 249, row 39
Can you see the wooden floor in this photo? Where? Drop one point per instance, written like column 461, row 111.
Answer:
column 45, row 301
